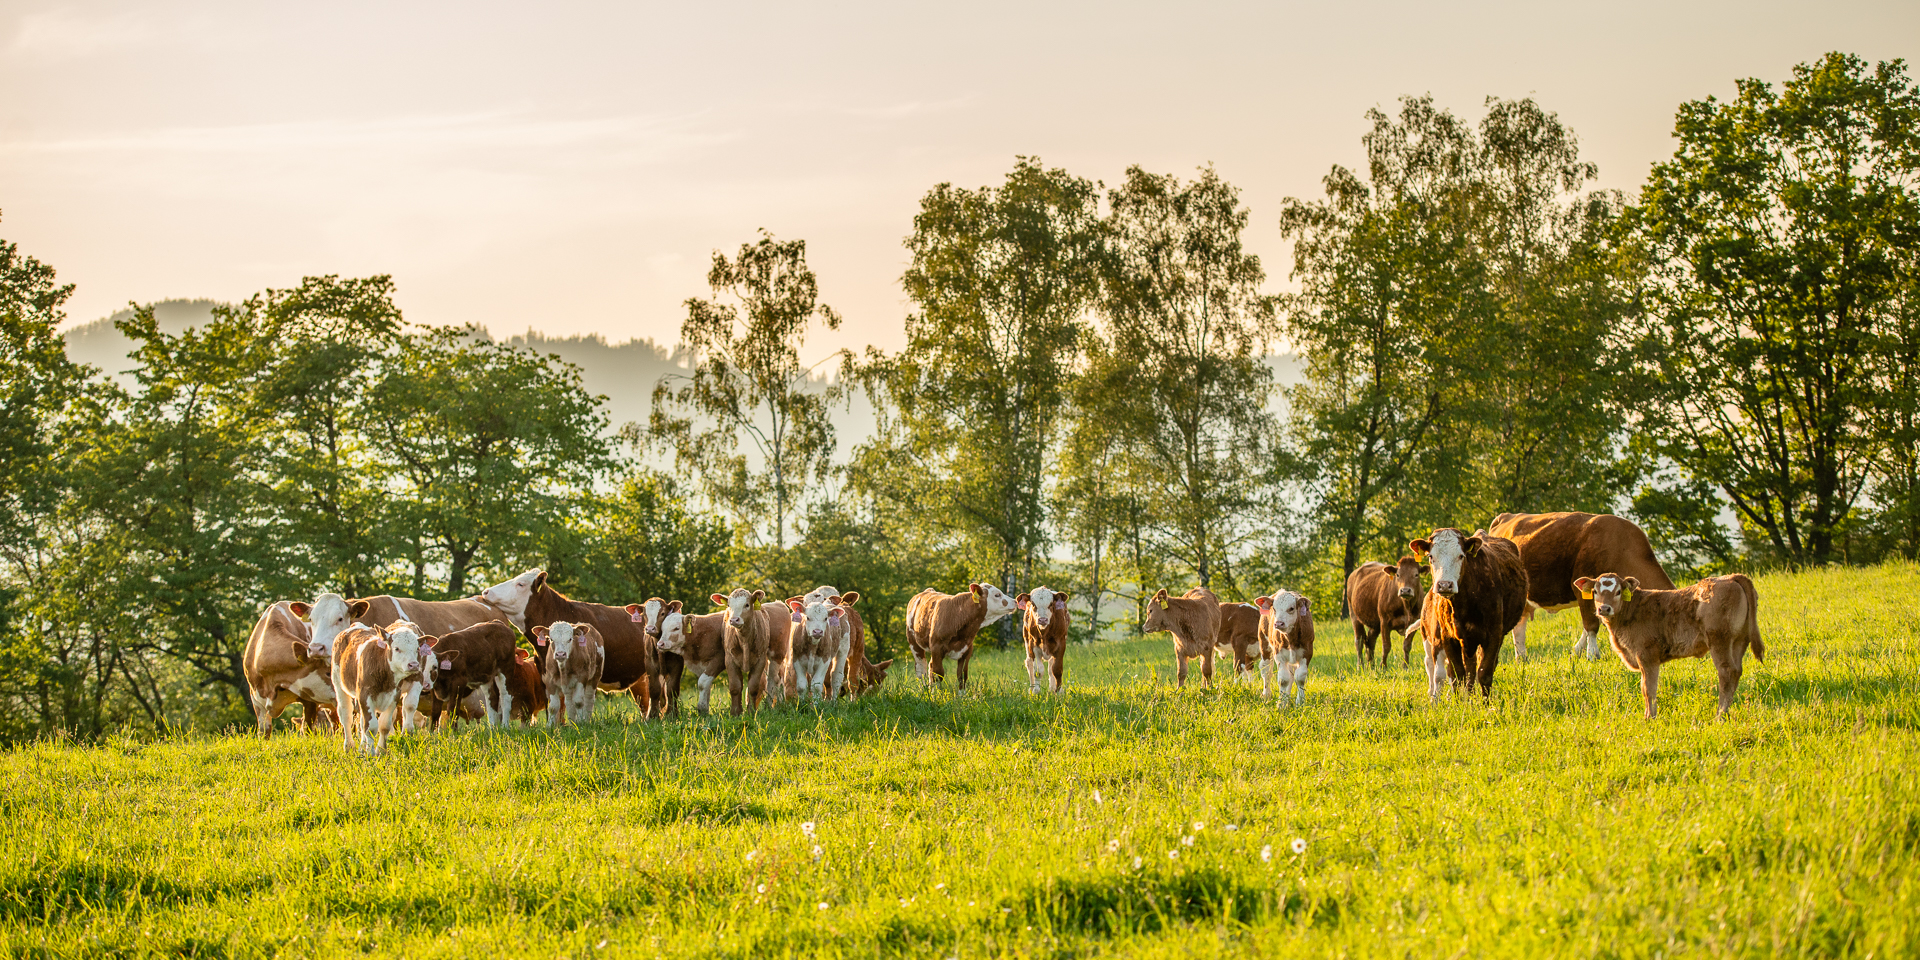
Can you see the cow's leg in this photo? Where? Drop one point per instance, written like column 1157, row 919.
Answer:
column 705, row 683
column 736, row 687
column 1206, row 667
column 1520, row 632
column 1359, row 639
column 1726, row 662
column 960, row 670
column 556, row 702
column 1033, row 671
column 1589, row 641
column 1059, row 667
column 936, row 663
column 1457, row 662
column 1650, row 685
column 1406, row 646
column 1300, row 681
column 1267, row 669
column 1489, row 659
column 1436, row 669
column 1180, row 676
column 757, row 684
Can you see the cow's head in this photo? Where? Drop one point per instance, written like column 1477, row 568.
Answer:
column 405, row 657
column 673, row 633
column 739, row 603
column 560, row 638
column 876, row 673
column 649, row 614
column 1042, row 604
column 997, row 602
column 1449, row 548
column 512, row 595
column 326, row 617
column 1156, row 620
column 821, row 592
column 1406, row 577
column 429, row 663
column 447, row 675
column 1285, row 607
column 816, row 616
column 1610, row 592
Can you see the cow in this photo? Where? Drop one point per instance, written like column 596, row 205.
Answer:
column 369, row 668
column 524, row 685
column 1045, row 629
column 1479, row 592
column 506, row 600
column 476, row 657
column 1384, row 600
column 1194, row 621
column 700, row 643
column 630, row 664
column 1557, row 548
column 1719, row 617
column 662, row 696
column 749, row 641
column 570, row 669
column 1286, row 630
column 819, row 639
column 943, row 626
column 1239, row 638
column 859, row 675
column 287, row 655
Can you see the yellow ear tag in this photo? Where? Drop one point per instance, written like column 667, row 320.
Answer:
column 1417, row 555
column 1586, row 594
column 1626, row 595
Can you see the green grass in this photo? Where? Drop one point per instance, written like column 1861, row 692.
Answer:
column 1551, row 821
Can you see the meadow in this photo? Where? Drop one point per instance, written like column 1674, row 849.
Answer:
column 1125, row 818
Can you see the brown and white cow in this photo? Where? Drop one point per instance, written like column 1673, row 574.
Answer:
column 1194, row 620
column 1045, row 630
column 1286, row 630
column 749, row 643
column 944, row 626
column 860, row 675
column 524, row 685
column 630, row 664
column 1239, row 638
column 819, row 638
column 662, row 696
column 506, row 600
column 570, row 665
column 288, row 656
column 700, row 644
column 369, row 668
column 1384, row 600
column 477, row 657
column 1557, row 548
column 1479, row 592
column 1719, row 617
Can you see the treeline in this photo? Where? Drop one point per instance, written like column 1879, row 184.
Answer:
column 1083, row 400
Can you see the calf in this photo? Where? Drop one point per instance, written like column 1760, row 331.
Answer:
column 819, row 640
column 631, row 663
column 664, row 698
column 1718, row 617
column 858, row 675
column 288, row 657
column 368, row 669
column 477, row 657
column 524, row 685
column 570, row 668
column 1194, row 621
column 1239, row 638
column 1384, row 600
column 1045, row 630
column 1286, row 630
column 699, row 643
column 943, row 626
column 1555, row 548
column 749, row 642
column 1479, row 592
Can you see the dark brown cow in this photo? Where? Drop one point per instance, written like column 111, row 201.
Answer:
column 1717, row 617
column 1194, row 621
column 1479, row 592
column 662, row 696
column 1286, row 631
column 631, row 662
column 1240, row 639
column 1384, row 600
column 1045, row 629
column 943, row 626
column 1558, row 548
column 470, row 659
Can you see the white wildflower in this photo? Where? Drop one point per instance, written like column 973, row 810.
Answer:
column 1299, row 845
column 1266, row 853
column 762, row 888
column 1113, row 846
column 817, row 851
column 1198, row 826
column 939, row 886
column 807, row 828
column 1173, row 854
column 1186, row 841
column 751, row 854
column 823, row 904
column 1096, row 798
column 1136, row 863
column 1231, row 827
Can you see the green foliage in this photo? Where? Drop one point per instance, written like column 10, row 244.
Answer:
column 748, row 382
column 1781, row 262
column 641, row 541
column 1008, row 824
column 37, row 385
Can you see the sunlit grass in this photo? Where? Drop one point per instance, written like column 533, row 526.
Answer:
column 1550, row 821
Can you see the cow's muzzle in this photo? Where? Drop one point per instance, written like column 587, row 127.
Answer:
column 1603, row 609
column 1406, row 593
column 1445, row 588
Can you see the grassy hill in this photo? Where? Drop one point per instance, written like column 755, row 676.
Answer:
column 1124, row 818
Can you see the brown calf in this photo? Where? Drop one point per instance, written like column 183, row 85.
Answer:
column 1239, row 638
column 477, row 657
column 662, row 696
column 749, row 643
column 570, row 667
column 698, row 642
column 1194, row 620
column 860, row 675
column 1479, row 592
column 529, row 692
column 1384, row 600
column 631, row 664
column 1045, row 629
column 1286, row 630
column 1718, row 617
column 1558, row 547
column 943, row 627
column 369, row 668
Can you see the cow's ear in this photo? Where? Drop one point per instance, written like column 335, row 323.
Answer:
column 1633, row 583
column 1264, row 603
column 1473, row 546
column 301, row 650
column 1306, row 606
column 673, row 606
column 1060, row 599
column 358, row 608
column 633, row 611
column 539, row 580
column 1584, row 585
column 850, row 597
column 1420, row 548
column 299, row 609
column 977, row 590
column 539, row 634
column 1161, row 597
column 758, row 595
column 837, row 613
column 1424, row 569
column 580, row 631
column 1023, row 601
column 718, row 599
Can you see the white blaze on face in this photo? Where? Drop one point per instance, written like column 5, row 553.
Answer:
column 652, row 612
column 560, row 638
column 820, row 594
column 739, row 604
column 1606, row 593
column 1042, row 605
column 325, row 621
column 673, row 633
column 998, row 604
column 1286, row 610
column 512, row 595
column 1448, row 556
column 818, row 615
column 405, row 658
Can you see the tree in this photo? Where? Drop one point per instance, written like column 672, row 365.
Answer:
column 484, row 447
column 641, row 541
column 37, row 385
column 1780, row 242
column 1002, row 279
column 748, row 381
column 1178, row 366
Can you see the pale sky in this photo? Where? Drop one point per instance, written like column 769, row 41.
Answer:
column 570, row 166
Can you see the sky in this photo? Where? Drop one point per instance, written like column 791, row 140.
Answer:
column 571, row 167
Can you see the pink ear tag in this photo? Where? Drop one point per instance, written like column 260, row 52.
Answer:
column 637, row 617
column 797, row 618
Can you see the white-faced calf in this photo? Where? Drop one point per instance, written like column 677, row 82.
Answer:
column 570, row 661
column 1717, row 617
column 749, row 640
column 1045, row 629
column 819, row 638
column 370, row 667
column 1286, row 629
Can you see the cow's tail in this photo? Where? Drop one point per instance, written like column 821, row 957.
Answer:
column 1754, row 642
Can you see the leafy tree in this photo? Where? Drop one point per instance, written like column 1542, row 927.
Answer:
column 37, row 385
column 1002, row 279
column 1781, row 243
column 642, row 541
column 1178, row 366
column 748, row 382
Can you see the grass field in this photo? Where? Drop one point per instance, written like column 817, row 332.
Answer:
column 1126, row 818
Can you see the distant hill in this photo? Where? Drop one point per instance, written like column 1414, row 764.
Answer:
column 101, row 344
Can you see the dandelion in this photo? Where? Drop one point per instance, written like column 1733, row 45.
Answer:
column 823, row 904
column 1231, row 827
column 1198, row 826
column 1266, row 853
column 1113, row 846
column 1186, row 841
column 816, row 851
column 751, row 854
column 1173, row 854
column 939, row 886
column 903, row 903
column 1136, row 863
column 762, row 888
column 1096, row 798
column 1299, row 845
column 807, row 828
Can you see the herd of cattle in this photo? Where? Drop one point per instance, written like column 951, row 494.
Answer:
column 383, row 663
